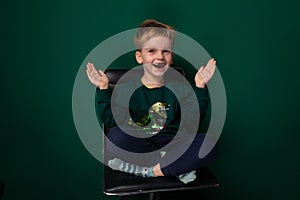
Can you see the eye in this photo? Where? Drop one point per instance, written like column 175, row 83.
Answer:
column 167, row 52
column 151, row 51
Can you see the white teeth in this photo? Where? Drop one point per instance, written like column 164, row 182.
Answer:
column 158, row 65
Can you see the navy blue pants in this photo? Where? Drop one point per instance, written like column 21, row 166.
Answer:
column 176, row 155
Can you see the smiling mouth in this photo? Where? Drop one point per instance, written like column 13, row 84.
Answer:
column 159, row 65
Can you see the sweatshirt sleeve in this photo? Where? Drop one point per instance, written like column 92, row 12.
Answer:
column 203, row 100
column 103, row 99
column 193, row 114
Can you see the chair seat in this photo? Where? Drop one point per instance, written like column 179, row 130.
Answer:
column 120, row 183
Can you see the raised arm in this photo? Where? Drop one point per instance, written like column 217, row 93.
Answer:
column 204, row 74
column 97, row 78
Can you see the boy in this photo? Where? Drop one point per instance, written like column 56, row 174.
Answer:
column 154, row 110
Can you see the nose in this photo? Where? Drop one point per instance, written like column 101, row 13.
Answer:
column 160, row 54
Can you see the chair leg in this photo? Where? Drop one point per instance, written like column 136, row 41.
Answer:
column 153, row 196
column 124, row 197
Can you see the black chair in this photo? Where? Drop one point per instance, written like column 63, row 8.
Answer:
column 124, row 184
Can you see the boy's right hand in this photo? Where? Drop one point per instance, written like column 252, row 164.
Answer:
column 98, row 78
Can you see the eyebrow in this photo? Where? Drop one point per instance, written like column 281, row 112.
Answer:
column 169, row 49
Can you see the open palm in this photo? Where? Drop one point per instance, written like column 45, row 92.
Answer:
column 98, row 78
column 204, row 74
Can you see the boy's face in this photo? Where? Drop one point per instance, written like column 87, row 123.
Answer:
column 156, row 55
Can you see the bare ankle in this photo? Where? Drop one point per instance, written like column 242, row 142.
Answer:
column 157, row 171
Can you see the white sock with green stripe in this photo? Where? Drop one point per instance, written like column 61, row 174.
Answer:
column 188, row 177
column 123, row 166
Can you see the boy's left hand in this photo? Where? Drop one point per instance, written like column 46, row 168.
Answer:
column 204, row 74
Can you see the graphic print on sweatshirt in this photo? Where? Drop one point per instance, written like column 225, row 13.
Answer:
column 154, row 120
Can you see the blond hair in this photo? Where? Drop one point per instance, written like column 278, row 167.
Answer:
column 151, row 28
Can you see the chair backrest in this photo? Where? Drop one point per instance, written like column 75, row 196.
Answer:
column 114, row 75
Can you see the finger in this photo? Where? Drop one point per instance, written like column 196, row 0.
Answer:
column 213, row 68
column 89, row 70
column 209, row 64
column 101, row 73
column 89, row 67
column 89, row 75
column 201, row 69
column 92, row 69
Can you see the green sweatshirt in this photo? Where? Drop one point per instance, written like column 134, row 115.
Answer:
column 153, row 110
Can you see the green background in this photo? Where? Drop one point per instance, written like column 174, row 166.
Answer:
column 43, row 44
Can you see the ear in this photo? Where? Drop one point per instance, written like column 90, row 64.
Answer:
column 138, row 57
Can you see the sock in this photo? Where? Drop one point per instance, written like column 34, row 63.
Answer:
column 187, row 177
column 162, row 154
column 137, row 170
